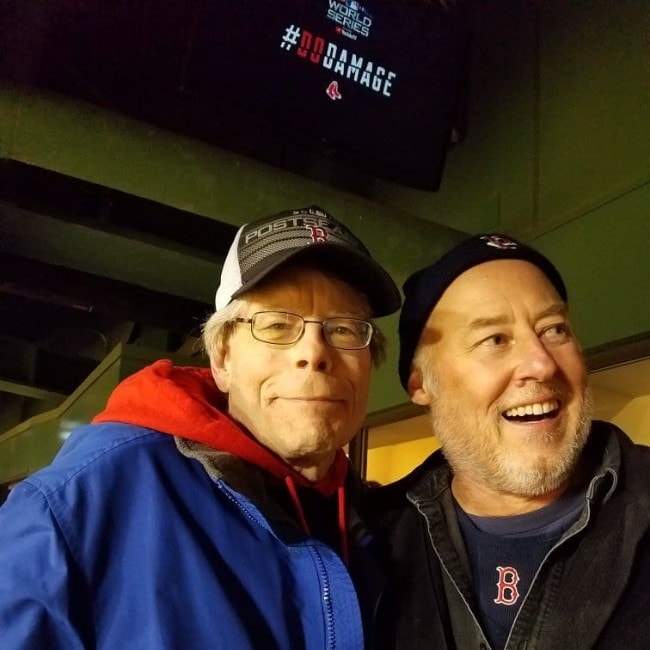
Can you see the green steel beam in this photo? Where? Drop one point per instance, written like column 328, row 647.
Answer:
column 107, row 254
column 26, row 390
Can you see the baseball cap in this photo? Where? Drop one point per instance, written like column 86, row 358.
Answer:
column 424, row 288
column 316, row 237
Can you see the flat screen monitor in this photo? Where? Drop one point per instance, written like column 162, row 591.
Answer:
column 372, row 85
column 375, row 83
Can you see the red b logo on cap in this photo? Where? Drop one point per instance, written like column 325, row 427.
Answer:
column 318, row 234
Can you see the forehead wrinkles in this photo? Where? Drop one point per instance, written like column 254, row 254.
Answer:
column 497, row 293
column 306, row 290
column 510, row 316
column 499, row 280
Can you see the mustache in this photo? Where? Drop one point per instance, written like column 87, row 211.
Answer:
column 554, row 389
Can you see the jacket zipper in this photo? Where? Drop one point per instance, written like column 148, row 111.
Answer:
column 330, row 636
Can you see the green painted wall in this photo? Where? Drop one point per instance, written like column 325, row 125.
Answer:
column 605, row 257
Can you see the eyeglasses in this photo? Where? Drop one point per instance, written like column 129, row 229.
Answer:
column 284, row 328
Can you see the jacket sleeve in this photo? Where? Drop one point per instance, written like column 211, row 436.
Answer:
column 39, row 596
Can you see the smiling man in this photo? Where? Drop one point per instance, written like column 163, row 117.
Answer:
column 529, row 529
column 215, row 508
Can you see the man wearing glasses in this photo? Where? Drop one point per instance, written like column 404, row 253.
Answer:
column 215, row 508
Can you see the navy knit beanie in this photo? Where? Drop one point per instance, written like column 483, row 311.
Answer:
column 424, row 288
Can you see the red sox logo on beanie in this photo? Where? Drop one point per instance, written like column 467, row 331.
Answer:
column 498, row 241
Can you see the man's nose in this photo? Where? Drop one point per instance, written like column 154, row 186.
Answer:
column 311, row 350
column 535, row 361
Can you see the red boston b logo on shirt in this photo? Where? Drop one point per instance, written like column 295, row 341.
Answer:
column 507, row 592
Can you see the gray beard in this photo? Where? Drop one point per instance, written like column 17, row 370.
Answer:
column 500, row 473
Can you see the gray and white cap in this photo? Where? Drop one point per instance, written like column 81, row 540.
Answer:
column 314, row 235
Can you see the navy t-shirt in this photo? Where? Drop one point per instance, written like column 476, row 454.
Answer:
column 504, row 555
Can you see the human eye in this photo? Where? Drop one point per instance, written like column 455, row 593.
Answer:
column 275, row 326
column 495, row 340
column 346, row 331
column 556, row 333
column 343, row 331
column 278, row 325
column 271, row 321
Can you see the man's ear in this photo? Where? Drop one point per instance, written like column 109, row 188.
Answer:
column 416, row 389
column 221, row 368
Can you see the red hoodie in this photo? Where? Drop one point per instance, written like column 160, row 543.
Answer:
column 185, row 402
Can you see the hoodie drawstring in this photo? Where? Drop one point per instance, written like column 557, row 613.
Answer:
column 343, row 528
column 291, row 486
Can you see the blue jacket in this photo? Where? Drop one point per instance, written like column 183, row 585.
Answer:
column 137, row 539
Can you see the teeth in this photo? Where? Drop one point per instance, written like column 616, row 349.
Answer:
column 538, row 408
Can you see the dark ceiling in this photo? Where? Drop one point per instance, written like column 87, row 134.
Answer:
column 58, row 322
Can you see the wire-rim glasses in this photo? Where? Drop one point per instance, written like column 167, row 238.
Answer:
column 285, row 328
